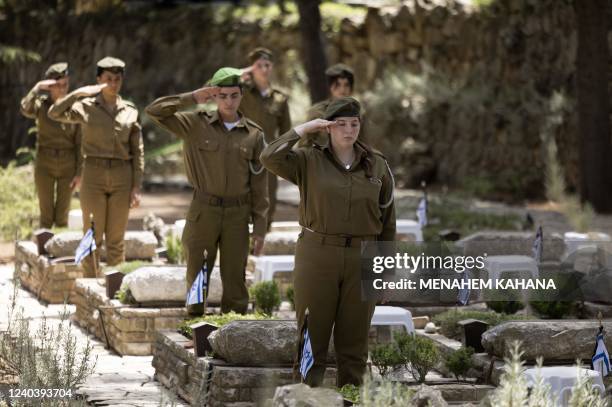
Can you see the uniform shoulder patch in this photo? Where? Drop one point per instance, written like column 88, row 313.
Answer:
column 279, row 95
column 251, row 123
column 130, row 103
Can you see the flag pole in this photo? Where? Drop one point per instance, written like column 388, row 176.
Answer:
column 91, row 252
column 205, row 293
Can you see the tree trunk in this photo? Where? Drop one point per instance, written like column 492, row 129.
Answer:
column 592, row 75
column 313, row 52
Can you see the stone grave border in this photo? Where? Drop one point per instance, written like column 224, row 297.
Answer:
column 128, row 329
column 49, row 280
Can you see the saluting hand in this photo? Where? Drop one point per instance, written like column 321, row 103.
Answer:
column 204, row 94
column 247, row 71
column 90, row 90
column 314, row 126
column 45, row 84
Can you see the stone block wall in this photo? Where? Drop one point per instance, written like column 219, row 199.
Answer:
column 130, row 330
column 476, row 121
column 50, row 281
column 205, row 378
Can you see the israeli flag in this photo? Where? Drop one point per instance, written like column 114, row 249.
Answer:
column 86, row 246
column 196, row 293
column 601, row 359
column 464, row 292
column 538, row 245
column 421, row 212
column 307, row 359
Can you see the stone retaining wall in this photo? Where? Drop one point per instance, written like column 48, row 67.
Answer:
column 177, row 368
column 49, row 281
column 130, row 330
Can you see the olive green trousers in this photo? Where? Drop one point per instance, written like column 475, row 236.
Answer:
column 327, row 282
column 52, row 176
column 213, row 228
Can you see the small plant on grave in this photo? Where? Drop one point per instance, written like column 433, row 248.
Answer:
column 124, row 295
column 384, row 393
column 420, row 354
column 386, row 358
column 174, row 249
column 266, row 295
column 350, row 392
column 291, row 296
column 218, row 320
column 460, row 362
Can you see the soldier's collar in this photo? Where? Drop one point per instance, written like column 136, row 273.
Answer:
column 360, row 152
column 214, row 116
column 121, row 104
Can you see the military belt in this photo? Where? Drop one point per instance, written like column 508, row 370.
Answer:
column 336, row 240
column 106, row 162
column 222, row 201
column 56, row 152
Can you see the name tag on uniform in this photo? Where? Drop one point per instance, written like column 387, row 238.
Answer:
column 376, row 181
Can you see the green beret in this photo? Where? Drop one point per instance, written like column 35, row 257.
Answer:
column 339, row 70
column 226, row 77
column 342, row 107
column 260, row 52
column 111, row 64
column 57, row 71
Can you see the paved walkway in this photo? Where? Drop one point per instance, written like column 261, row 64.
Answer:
column 117, row 381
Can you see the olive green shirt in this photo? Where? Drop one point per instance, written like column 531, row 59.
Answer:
column 335, row 200
column 317, row 111
column 51, row 133
column 106, row 134
column 271, row 112
column 217, row 161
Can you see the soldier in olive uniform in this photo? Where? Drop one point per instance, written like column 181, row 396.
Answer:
column 266, row 106
column 341, row 80
column 221, row 150
column 347, row 198
column 114, row 157
column 57, row 170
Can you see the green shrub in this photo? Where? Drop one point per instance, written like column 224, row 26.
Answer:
column 174, row 249
column 218, row 320
column 419, row 354
column 124, row 295
column 553, row 309
column 506, row 307
column 386, row 358
column 291, row 296
column 18, row 202
column 266, row 296
column 460, row 362
column 350, row 392
column 447, row 321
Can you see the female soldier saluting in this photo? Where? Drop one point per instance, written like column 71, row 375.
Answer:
column 114, row 156
column 346, row 194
